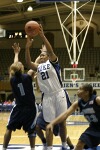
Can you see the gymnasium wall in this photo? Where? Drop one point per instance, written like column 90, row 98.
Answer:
column 51, row 24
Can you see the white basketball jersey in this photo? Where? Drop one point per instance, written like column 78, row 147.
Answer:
column 48, row 75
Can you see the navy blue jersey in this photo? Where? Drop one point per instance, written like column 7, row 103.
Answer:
column 23, row 90
column 91, row 111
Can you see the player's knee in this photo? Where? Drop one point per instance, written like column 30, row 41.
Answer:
column 62, row 124
column 79, row 145
column 37, row 128
column 32, row 134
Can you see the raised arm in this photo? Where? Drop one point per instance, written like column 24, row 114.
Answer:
column 30, row 64
column 16, row 49
column 49, row 48
column 16, row 65
column 63, row 116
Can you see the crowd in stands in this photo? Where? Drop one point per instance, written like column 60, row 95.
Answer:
column 6, row 106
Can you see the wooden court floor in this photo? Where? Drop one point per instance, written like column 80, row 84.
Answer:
column 19, row 137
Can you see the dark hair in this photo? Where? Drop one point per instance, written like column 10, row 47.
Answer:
column 94, row 92
column 88, row 87
column 45, row 52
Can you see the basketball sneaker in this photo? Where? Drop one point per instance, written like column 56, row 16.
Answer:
column 44, row 148
column 71, row 147
column 64, row 148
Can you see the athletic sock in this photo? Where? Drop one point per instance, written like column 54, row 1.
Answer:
column 3, row 148
column 49, row 147
column 64, row 144
column 44, row 144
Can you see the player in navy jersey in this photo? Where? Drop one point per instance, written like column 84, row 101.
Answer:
column 89, row 105
column 50, row 83
column 24, row 113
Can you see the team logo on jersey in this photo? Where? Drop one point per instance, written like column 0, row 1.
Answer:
column 91, row 102
column 88, row 111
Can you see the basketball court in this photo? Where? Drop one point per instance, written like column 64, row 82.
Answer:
column 26, row 147
column 38, row 147
column 75, row 124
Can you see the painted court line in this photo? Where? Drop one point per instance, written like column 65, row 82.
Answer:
column 38, row 147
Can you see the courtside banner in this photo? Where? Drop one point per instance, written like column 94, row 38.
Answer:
column 76, row 85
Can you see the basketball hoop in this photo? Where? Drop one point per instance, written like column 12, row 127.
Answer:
column 74, row 65
column 73, row 80
column 74, row 77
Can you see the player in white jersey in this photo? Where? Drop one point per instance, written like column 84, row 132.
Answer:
column 49, row 80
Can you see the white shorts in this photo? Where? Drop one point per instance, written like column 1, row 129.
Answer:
column 54, row 104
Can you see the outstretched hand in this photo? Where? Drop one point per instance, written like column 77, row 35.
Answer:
column 43, row 48
column 41, row 33
column 29, row 42
column 16, row 48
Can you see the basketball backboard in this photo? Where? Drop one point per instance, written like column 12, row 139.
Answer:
column 76, row 74
column 2, row 33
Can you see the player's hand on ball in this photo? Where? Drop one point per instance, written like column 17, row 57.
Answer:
column 41, row 33
column 29, row 42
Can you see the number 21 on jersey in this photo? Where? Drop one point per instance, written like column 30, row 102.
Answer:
column 44, row 75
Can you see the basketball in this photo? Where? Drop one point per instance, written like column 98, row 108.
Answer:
column 32, row 28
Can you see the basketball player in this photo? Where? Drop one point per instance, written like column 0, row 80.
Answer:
column 41, row 125
column 24, row 113
column 49, row 80
column 89, row 105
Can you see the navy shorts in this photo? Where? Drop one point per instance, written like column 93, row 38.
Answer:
column 91, row 137
column 22, row 117
column 42, row 124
